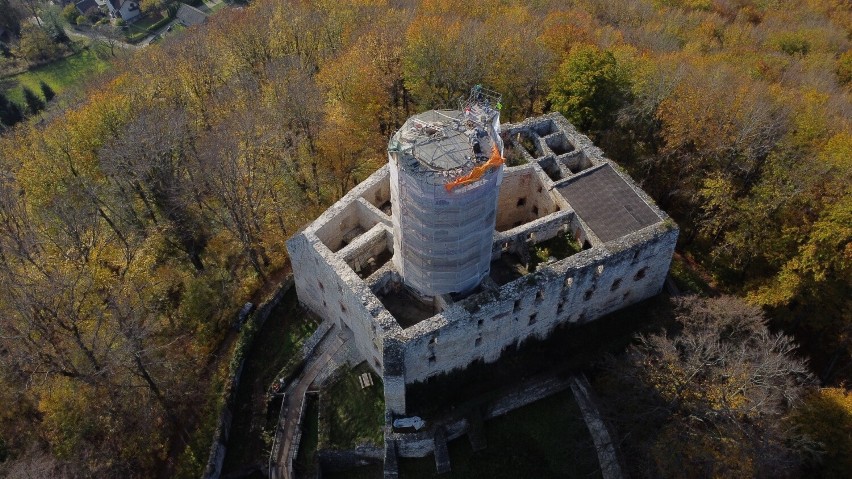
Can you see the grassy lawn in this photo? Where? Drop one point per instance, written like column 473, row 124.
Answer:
column 143, row 23
column 210, row 8
column 283, row 335
column 547, row 439
column 60, row 75
column 351, row 415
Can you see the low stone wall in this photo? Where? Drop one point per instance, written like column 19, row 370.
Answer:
column 421, row 444
column 306, row 352
column 218, row 448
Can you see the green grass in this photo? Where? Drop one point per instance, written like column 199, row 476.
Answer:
column 351, row 415
column 560, row 246
column 547, row 439
column 144, row 23
column 210, row 9
column 217, row 7
column 281, row 337
column 60, row 75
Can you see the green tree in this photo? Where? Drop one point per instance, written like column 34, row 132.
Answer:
column 36, row 45
column 10, row 112
column 46, row 91
column 589, row 88
column 69, row 13
column 34, row 103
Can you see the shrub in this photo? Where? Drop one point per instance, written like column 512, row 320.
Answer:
column 69, row 13
column 81, row 20
column 843, row 68
column 793, row 43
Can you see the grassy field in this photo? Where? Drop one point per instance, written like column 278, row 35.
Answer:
column 282, row 335
column 60, row 75
column 351, row 415
column 547, row 439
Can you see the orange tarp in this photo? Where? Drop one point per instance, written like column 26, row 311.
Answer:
column 494, row 162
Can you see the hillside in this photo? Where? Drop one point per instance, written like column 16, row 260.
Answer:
column 137, row 222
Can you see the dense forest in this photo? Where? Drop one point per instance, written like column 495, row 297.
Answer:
column 136, row 222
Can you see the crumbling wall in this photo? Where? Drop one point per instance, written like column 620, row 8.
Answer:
column 328, row 285
column 523, row 198
column 601, row 279
column 577, row 289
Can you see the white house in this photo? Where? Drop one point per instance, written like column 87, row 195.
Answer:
column 124, row 9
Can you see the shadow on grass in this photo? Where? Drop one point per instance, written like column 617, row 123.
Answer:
column 60, row 75
column 305, row 463
column 547, row 439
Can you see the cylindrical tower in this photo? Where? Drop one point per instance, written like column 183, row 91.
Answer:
column 445, row 172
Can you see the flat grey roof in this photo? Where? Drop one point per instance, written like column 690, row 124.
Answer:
column 607, row 204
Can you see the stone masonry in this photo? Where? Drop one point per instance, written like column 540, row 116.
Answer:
column 563, row 185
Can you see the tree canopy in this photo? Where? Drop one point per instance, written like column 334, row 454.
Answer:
column 138, row 221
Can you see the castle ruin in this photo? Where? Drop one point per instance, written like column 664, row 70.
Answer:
column 475, row 237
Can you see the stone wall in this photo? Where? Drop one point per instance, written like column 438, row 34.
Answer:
column 575, row 290
column 330, row 253
column 326, row 281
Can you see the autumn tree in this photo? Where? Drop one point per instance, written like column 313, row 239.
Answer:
column 148, row 163
column 707, row 399
column 826, row 417
column 522, row 66
column 443, row 58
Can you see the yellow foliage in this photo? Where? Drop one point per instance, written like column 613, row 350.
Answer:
column 68, row 415
column 826, row 417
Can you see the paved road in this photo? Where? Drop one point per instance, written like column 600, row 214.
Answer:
column 95, row 36
column 210, row 4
